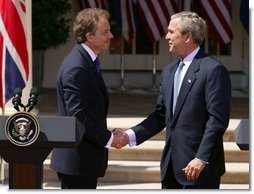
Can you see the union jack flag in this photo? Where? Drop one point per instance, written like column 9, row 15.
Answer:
column 14, row 64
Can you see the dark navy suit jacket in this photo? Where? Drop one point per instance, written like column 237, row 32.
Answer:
column 201, row 117
column 82, row 94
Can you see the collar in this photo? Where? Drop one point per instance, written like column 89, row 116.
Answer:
column 189, row 58
column 90, row 52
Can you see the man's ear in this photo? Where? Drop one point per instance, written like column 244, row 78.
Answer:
column 188, row 37
column 88, row 36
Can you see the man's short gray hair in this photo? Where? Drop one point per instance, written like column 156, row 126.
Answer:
column 192, row 22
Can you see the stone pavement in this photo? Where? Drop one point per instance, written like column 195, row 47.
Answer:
column 137, row 103
column 126, row 187
column 133, row 104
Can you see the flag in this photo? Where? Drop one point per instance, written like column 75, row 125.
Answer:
column 122, row 12
column 217, row 13
column 128, row 25
column 103, row 4
column 244, row 14
column 155, row 16
column 14, row 64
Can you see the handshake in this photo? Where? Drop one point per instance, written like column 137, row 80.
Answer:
column 121, row 139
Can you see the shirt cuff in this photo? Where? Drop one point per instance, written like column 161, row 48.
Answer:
column 132, row 137
column 203, row 161
column 110, row 141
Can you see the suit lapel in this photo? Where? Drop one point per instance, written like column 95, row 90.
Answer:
column 102, row 85
column 92, row 66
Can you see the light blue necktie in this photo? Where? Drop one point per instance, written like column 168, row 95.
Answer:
column 177, row 83
column 97, row 65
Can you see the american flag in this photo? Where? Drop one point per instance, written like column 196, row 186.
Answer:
column 14, row 65
column 128, row 24
column 217, row 13
column 103, row 4
column 123, row 13
column 155, row 15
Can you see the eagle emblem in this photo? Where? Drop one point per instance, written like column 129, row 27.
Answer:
column 22, row 129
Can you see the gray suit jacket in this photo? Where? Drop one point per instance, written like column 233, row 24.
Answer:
column 83, row 94
column 201, row 117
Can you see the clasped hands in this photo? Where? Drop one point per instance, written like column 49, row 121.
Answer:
column 121, row 139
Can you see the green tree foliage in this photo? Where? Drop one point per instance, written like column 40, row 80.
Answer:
column 50, row 27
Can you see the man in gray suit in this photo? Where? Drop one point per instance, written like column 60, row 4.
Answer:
column 195, row 116
column 82, row 94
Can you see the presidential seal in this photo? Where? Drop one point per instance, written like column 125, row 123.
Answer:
column 22, row 129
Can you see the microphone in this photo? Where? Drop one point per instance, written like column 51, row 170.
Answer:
column 32, row 101
column 16, row 101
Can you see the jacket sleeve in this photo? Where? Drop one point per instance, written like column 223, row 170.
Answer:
column 85, row 101
column 154, row 123
column 218, row 95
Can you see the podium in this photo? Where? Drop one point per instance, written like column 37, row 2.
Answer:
column 242, row 136
column 26, row 163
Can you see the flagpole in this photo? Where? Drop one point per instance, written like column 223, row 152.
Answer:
column 1, row 159
column 218, row 50
column 122, row 76
column 154, row 88
column 3, row 111
column 245, row 69
column 206, row 45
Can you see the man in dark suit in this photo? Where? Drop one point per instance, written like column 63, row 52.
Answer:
column 196, row 119
column 82, row 94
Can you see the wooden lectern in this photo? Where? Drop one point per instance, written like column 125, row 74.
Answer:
column 26, row 163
